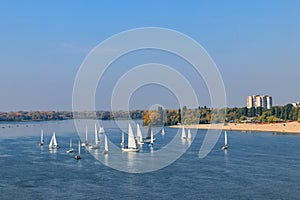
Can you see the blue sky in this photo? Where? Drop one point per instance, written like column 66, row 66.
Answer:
column 255, row 45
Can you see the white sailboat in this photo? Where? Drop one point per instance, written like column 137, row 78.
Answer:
column 77, row 157
column 183, row 135
column 189, row 136
column 225, row 146
column 131, row 142
column 139, row 135
column 105, row 145
column 71, row 149
column 148, row 138
column 163, row 132
column 96, row 146
column 85, row 143
column 123, row 140
column 151, row 139
column 42, row 138
column 101, row 130
column 53, row 143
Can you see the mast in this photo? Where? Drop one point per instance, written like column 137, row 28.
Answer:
column 86, row 134
column 70, row 143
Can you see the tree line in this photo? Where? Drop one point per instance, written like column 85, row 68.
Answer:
column 205, row 115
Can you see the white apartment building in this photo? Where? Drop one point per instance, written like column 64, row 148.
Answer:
column 256, row 101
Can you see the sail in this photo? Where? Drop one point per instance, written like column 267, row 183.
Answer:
column 123, row 140
column 96, row 134
column 183, row 135
column 51, row 141
column 225, row 140
column 131, row 140
column 151, row 140
column 139, row 133
column 79, row 147
column 106, row 144
column 189, row 134
column 70, row 143
column 86, row 134
column 42, row 136
column 101, row 130
column 149, row 132
column 163, row 131
column 54, row 139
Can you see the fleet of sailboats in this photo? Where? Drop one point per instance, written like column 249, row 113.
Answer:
column 53, row 143
column 131, row 142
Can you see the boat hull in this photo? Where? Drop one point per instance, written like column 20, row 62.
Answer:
column 148, row 140
column 130, row 150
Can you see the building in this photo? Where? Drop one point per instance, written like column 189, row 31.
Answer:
column 296, row 104
column 257, row 101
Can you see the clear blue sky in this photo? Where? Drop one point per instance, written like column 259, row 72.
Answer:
column 255, row 44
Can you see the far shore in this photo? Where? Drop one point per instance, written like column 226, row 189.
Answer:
column 289, row 127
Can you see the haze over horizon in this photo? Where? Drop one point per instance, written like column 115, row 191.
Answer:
column 254, row 44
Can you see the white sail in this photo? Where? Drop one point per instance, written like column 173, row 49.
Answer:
column 163, row 131
column 105, row 144
column 183, row 135
column 189, row 134
column 101, row 130
column 96, row 134
column 79, row 147
column 131, row 140
column 151, row 138
column 54, row 139
column 225, row 139
column 86, row 134
column 42, row 136
column 139, row 133
column 51, row 142
column 123, row 140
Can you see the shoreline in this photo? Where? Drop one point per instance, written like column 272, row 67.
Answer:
column 289, row 127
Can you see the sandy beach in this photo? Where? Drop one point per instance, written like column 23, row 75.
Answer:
column 290, row 127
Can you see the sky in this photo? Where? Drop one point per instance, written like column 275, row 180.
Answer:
column 255, row 45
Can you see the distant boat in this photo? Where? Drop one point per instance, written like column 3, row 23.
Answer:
column 53, row 143
column 225, row 146
column 183, row 135
column 131, row 142
column 77, row 157
column 85, row 143
column 105, row 145
column 189, row 137
column 101, row 130
column 139, row 135
column 71, row 149
column 148, row 138
column 151, row 139
column 96, row 146
column 163, row 132
column 123, row 140
column 42, row 138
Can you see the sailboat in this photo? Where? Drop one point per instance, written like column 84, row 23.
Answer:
column 183, row 135
column 225, row 146
column 163, row 132
column 189, row 137
column 77, row 157
column 42, row 138
column 53, row 143
column 151, row 139
column 71, row 149
column 101, row 130
column 123, row 140
column 96, row 146
column 131, row 142
column 85, row 143
column 148, row 138
column 105, row 145
column 139, row 135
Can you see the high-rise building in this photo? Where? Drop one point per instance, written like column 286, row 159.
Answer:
column 259, row 101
